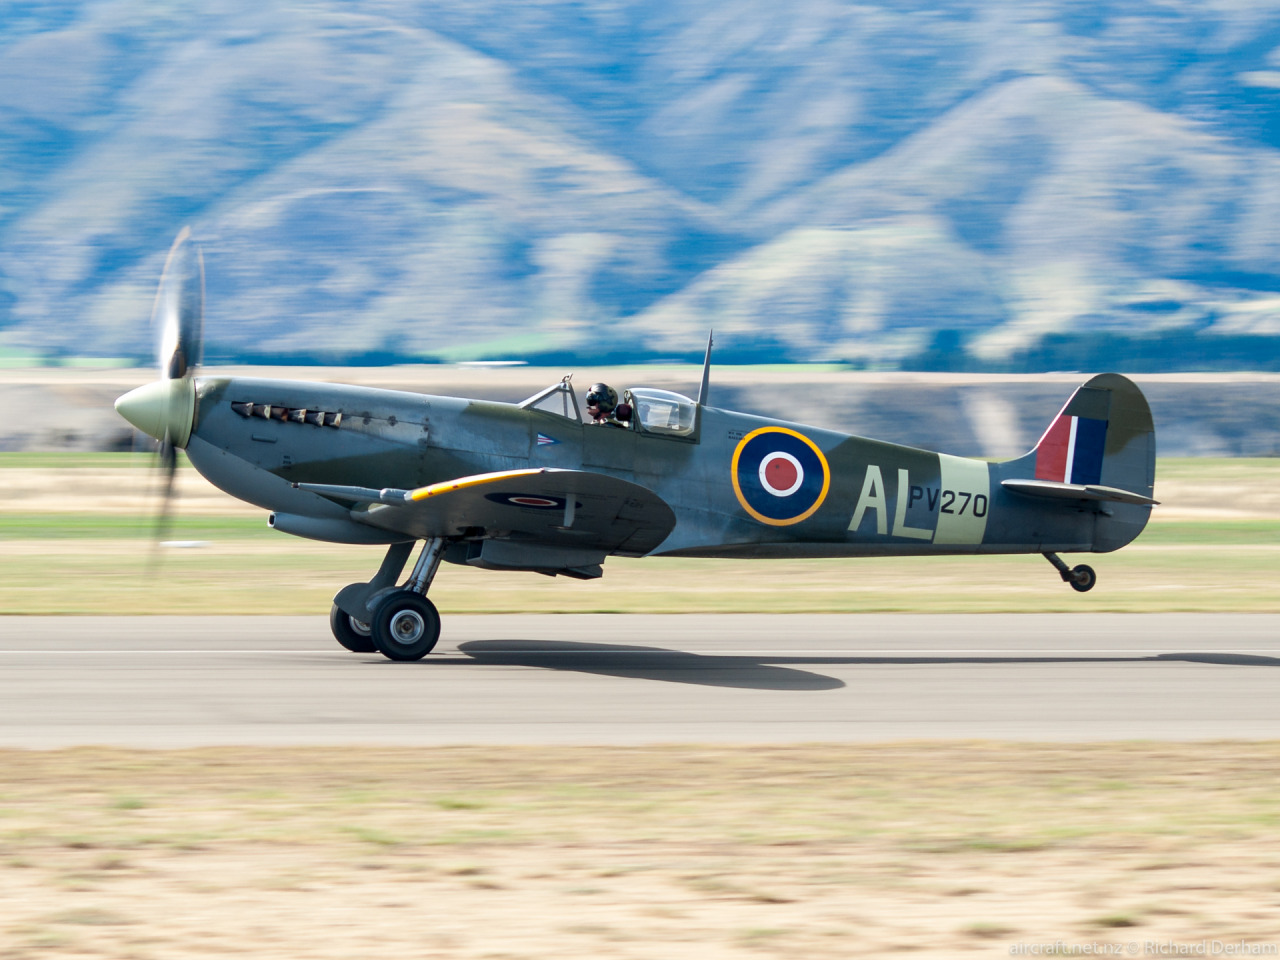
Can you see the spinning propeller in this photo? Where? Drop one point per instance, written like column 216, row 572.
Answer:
column 165, row 409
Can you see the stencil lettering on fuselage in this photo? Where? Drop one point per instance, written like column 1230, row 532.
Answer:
column 906, row 494
column 871, row 498
column 965, row 500
column 955, row 510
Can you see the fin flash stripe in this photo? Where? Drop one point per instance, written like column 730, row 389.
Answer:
column 1072, row 450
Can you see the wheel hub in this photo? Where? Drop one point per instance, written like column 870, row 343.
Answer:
column 407, row 627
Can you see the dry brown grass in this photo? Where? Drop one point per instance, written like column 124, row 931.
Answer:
column 833, row 851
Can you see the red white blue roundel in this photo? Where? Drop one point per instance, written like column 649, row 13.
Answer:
column 780, row 476
column 534, row 501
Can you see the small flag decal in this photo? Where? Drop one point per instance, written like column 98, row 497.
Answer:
column 545, row 441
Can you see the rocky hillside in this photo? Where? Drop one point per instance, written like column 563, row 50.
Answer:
column 607, row 179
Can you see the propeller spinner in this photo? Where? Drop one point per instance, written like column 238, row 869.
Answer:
column 165, row 408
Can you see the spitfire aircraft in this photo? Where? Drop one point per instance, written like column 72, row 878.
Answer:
column 534, row 486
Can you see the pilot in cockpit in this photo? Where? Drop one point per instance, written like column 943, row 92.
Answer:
column 603, row 406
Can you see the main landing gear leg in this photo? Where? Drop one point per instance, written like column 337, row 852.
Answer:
column 406, row 625
column 1081, row 577
column 353, row 605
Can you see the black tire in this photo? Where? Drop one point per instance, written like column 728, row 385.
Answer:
column 406, row 626
column 1083, row 578
column 347, row 631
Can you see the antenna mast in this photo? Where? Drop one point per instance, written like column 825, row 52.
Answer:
column 704, row 391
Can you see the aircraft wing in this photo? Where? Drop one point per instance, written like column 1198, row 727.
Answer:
column 549, row 508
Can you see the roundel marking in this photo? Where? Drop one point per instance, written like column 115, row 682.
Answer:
column 528, row 500
column 779, row 476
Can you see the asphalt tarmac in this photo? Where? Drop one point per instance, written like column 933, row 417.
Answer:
column 613, row 679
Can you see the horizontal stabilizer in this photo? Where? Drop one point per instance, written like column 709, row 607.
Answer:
column 1074, row 491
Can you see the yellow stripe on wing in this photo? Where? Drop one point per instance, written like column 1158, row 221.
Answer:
column 448, row 486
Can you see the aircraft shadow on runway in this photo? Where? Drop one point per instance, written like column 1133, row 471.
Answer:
column 1223, row 659
column 760, row 672
column 652, row 663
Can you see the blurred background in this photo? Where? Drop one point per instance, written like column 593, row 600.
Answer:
column 995, row 188
column 963, row 186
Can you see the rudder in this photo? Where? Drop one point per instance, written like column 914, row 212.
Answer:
column 1103, row 439
column 1103, row 435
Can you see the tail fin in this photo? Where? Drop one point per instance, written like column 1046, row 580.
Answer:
column 1100, row 447
column 1104, row 435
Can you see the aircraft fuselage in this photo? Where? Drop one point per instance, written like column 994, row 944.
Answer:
column 739, row 485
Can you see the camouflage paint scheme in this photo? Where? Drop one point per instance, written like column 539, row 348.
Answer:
column 733, row 486
column 530, row 486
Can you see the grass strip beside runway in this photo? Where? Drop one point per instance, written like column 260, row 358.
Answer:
column 120, row 577
column 76, row 539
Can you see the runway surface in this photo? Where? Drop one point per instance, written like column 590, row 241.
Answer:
column 613, row 679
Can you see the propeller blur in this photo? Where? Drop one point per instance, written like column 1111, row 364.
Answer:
column 165, row 409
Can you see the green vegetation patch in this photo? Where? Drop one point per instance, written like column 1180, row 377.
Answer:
column 39, row 460
column 1220, row 532
column 90, row 526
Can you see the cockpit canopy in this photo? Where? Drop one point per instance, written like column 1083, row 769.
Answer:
column 658, row 412
column 663, row 412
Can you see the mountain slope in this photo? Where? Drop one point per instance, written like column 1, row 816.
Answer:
column 472, row 178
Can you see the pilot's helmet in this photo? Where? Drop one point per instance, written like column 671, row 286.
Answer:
column 603, row 397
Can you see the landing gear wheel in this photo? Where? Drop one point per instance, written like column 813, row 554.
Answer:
column 353, row 634
column 1083, row 578
column 405, row 626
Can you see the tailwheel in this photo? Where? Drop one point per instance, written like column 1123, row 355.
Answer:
column 405, row 626
column 1082, row 578
column 355, row 635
